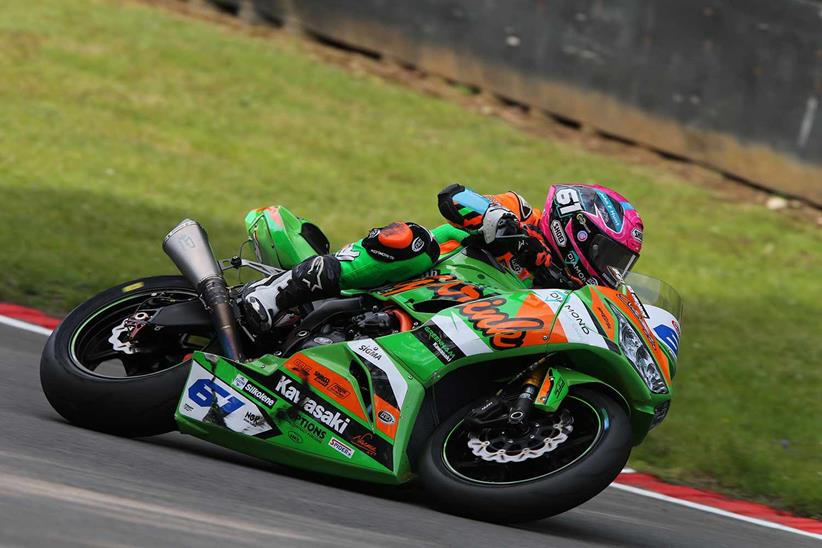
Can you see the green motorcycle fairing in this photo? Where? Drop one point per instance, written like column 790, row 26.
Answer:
column 350, row 408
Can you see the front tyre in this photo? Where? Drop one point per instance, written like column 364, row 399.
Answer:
column 96, row 381
column 490, row 476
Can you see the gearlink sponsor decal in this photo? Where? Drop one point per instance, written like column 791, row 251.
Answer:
column 444, row 348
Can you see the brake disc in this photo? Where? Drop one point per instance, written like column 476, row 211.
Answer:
column 121, row 334
column 538, row 440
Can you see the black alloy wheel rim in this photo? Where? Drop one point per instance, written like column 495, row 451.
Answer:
column 91, row 350
column 589, row 427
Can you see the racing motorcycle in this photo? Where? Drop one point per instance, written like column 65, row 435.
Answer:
column 508, row 403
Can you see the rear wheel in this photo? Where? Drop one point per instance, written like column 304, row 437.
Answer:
column 556, row 463
column 96, row 376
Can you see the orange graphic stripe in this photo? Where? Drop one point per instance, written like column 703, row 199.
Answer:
column 325, row 381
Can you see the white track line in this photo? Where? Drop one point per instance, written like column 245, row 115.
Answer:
column 712, row 510
column 25, row 326
column 642, row 492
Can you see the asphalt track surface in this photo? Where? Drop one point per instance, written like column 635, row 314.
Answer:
column 65, row 486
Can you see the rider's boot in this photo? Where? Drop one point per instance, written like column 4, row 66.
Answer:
column 313, row 279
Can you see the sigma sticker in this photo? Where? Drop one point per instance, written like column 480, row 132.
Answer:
column 417, row 245
column 208, row 399
column 340, row 447
column 559, row 234
column 376, row 357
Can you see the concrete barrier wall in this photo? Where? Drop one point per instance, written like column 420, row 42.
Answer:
column 734, row 84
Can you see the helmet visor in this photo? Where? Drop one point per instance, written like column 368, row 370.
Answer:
column 605, row 253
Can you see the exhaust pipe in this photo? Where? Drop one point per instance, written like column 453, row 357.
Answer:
column 187, row 246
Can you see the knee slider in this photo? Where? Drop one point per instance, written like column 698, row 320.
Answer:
column 400, row 241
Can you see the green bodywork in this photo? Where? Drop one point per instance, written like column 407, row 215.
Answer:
column 266, row 409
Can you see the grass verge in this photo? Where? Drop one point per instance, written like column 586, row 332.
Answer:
column 117, row 120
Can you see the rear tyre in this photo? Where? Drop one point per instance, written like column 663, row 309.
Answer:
column 595, row 451
column 93, row 385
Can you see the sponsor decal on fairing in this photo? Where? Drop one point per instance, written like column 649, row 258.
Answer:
column 664, row 326
column 578, row 324
column 503, row 330
column 208, row 399
column 316, row 415
column 342, row 448
column 386, row 417
column 377, row 357
column 243, row 384
column 309, row 427
column 286, row 388
column 552, row 297
column 458, row 333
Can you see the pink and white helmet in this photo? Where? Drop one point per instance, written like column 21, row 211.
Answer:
column 591, row 228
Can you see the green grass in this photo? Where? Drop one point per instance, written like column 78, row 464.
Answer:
column 117, row 120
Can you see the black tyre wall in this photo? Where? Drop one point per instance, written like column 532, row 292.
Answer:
column 539, row 498
column 138, row 406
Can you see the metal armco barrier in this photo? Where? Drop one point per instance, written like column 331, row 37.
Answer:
column 733, row 84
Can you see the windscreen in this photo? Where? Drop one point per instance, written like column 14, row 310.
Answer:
column 654, row 292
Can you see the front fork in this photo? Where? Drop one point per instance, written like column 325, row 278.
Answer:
column 537, row 386
column 521, row 409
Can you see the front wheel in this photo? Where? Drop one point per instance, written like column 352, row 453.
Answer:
column 556, row 463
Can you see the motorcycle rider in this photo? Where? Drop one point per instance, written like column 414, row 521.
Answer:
column 584, row 231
